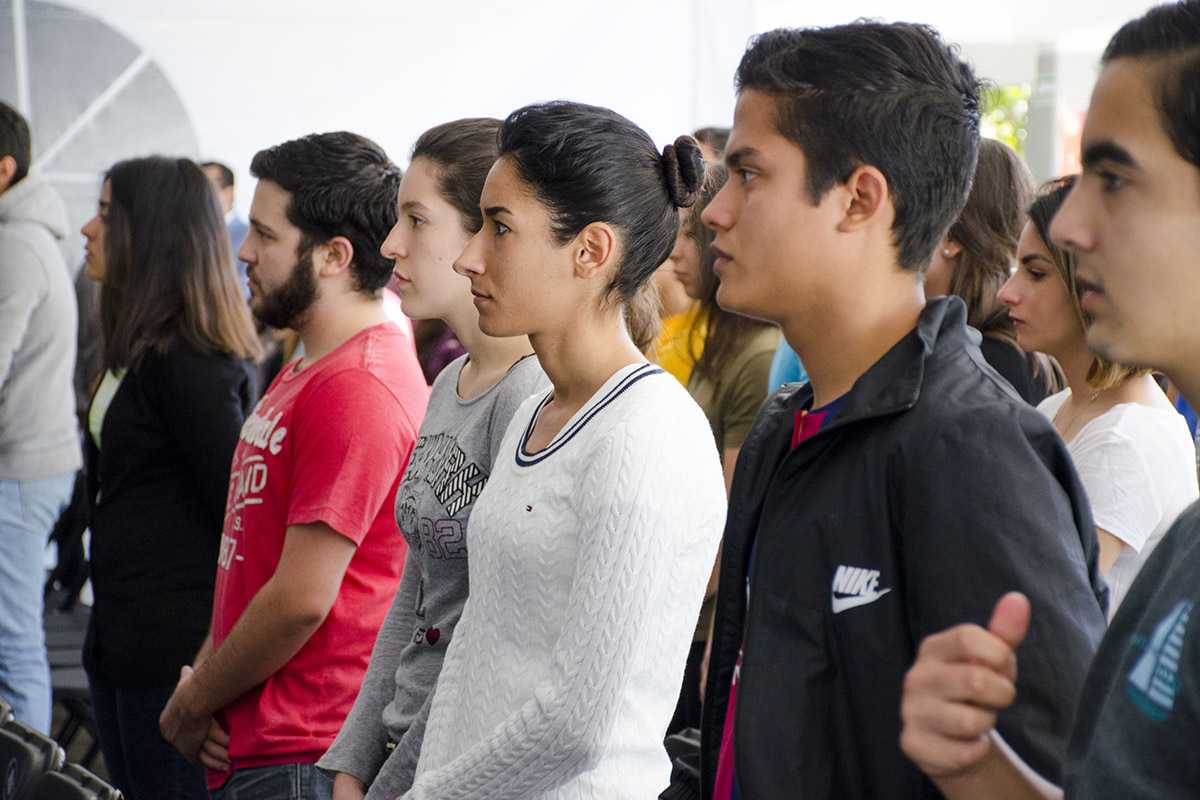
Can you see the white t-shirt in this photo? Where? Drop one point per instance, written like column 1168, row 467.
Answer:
column 1137, row 465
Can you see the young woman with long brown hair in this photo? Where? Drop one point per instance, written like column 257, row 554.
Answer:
column 177, row 346
column 1133, row 450
column 976, row 257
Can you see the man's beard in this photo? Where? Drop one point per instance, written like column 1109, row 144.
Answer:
column 281, row 306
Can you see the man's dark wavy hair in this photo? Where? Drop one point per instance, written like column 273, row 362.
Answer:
column 341, row 184
column 894, row 96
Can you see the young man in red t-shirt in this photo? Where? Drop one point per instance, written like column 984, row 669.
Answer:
column 310, row 554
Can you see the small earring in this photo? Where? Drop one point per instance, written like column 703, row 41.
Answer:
column 946, row 251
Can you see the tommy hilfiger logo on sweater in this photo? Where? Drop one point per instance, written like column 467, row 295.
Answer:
column 855, row 586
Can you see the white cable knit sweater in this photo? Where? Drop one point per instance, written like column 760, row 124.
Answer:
column 588, row 565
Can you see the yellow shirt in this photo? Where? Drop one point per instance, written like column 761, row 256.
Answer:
column 677, row 347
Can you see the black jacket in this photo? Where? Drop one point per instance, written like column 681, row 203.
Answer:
column 932, row 492
column 157, row 491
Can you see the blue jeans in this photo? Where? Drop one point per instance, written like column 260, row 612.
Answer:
column 277, row 782
column 28, row 511
column 140, row 762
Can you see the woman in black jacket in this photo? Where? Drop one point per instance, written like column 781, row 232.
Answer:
column 976, row 257
column 177, row 340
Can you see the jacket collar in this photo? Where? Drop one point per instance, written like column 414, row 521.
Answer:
column 893, row 383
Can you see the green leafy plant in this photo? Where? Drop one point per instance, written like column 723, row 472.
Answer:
column 1005, row 115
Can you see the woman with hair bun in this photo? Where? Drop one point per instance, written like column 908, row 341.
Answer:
column 593, row 539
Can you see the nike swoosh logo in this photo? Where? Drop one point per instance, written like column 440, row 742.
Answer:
column 841, row 604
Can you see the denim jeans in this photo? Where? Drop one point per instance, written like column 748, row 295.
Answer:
column 28, row 511
column 277, row 782
column 140, row 762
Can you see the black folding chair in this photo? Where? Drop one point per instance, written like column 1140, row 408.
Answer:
column 683, row 749
column 72, row 783
column 24, row 755
column 70, row 690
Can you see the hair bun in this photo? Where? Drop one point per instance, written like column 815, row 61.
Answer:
column 683, row 168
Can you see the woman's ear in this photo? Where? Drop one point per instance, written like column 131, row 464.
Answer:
column 595, row 249
column 948, row 247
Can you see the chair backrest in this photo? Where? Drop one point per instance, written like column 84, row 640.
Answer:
column 24, row 755
column 73, row 783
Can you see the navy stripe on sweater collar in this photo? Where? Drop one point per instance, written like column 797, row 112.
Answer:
column 527, row 459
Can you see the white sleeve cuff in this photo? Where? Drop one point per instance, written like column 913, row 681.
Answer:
column 1043, row 786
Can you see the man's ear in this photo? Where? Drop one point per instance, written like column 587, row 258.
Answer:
column 8, row 168
column 333, row 257
column 594, row 249
column 868, row 199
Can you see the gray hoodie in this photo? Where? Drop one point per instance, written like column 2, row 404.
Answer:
column 37, row 336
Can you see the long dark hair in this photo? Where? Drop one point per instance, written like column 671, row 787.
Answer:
column 725, row 330
column 168, row 266
column 988, row 229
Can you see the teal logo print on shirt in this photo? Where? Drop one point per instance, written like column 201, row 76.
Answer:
column 1154, row 679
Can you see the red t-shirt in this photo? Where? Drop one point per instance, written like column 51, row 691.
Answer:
column 327, row 444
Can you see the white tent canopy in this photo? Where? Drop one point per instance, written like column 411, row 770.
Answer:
column 224, row 78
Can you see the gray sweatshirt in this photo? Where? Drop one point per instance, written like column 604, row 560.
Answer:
column 37, row 336
column 449, row 466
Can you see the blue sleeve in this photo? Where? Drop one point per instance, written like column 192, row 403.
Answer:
column 785, row 368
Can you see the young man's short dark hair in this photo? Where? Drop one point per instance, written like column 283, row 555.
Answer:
column 1170, row 33
column 341, row 184
column 892, row 96
column 14, row 140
